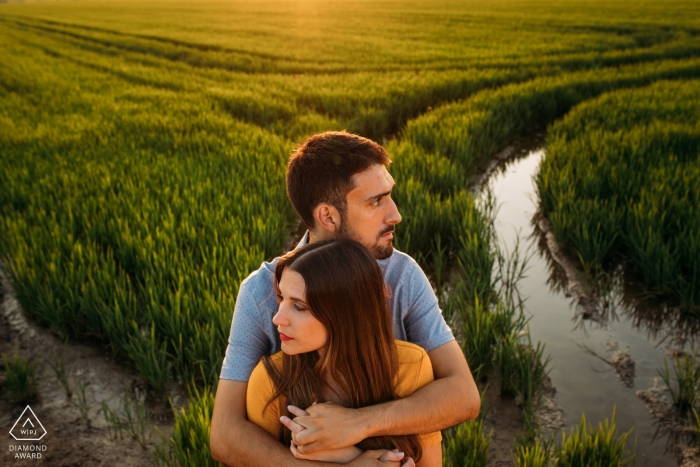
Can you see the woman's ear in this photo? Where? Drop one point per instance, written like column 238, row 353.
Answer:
column 327, row 219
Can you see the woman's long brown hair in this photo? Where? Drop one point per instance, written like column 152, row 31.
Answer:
column 345, row 292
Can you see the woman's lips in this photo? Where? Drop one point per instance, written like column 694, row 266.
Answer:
column 285, row 337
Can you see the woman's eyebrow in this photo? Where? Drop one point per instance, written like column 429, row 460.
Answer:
column 296, row 299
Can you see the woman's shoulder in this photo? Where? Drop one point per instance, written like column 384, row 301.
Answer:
column 408, row 352
column 415, row 369
column 260, row 372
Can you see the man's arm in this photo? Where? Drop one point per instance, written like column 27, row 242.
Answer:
column 237, row 442
column 451, row 399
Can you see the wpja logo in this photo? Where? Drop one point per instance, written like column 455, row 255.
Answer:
column 28, row 428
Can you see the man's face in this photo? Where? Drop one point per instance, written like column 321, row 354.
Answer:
column 371, row 213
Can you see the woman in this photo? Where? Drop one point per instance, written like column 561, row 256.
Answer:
column 338, row 346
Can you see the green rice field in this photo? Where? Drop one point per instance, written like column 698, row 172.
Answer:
column 620, row 183
column 143, row 147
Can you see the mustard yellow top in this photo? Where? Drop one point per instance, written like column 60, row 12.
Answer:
column 415, row 371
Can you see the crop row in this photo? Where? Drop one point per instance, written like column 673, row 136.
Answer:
column 620, row 184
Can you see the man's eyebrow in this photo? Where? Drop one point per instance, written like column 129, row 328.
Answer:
column 381, row 195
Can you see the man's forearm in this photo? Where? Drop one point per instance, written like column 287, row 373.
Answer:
column 244, row 444
column 237, row 442
column 451, row 399
column 436, row 406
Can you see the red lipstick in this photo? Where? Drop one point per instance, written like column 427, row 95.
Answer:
column 285, row 338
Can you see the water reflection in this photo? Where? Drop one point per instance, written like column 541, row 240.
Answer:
column 618, row 292
column 627, row 321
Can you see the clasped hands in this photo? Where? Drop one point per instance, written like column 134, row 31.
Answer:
column 328, row 432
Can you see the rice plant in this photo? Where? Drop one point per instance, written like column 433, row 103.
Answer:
column 684, row 384
column 20, row 386
column 58, row 365
column 188, row 442
column 466, row 445
column 586, row 446
column 535, row 455
column 81, row 403
column 130, row 418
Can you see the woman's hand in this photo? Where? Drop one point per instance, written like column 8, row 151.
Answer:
column 340, row 456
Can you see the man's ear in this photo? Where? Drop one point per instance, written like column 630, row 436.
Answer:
column 327, row 219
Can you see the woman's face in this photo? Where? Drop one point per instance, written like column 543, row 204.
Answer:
column 299, row 330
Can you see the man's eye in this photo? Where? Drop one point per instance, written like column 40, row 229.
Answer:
column 376, row 202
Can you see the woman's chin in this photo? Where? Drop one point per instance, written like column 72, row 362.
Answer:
column 289, row 349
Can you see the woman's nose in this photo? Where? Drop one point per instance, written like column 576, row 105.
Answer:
column 280, row 318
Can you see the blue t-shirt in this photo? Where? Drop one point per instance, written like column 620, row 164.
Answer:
column 416, row 315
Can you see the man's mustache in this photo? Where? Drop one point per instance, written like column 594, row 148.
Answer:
column 386, row 231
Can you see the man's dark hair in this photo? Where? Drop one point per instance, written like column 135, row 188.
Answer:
column 321, row 170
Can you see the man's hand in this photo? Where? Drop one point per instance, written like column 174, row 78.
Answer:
column 326, row 426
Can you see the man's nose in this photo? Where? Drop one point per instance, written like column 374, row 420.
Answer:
column 393, row 217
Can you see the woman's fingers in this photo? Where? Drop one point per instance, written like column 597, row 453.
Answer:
column 392, row 456
column 289, row 423
column 295, row 451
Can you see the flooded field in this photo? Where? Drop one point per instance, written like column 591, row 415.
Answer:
column 584, row 382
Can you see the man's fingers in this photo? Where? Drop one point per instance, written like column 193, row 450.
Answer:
column 289, row 423
column 306, row 449
column 296, row 411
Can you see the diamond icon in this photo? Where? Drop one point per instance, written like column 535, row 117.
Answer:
column 28, row 427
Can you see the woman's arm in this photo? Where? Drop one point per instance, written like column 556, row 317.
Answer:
column 339, row 456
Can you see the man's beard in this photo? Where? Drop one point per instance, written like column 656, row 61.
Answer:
column 378, row 251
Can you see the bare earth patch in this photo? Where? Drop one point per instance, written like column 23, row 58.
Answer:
column 70, row 439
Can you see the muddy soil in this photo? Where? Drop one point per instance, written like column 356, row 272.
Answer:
column 72, row 439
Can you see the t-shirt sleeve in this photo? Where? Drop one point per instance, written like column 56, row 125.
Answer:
column 260, row 390
column 247, row 341
column 425, row 376
column 424, row 323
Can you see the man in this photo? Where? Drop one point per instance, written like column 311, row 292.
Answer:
column 339, row 185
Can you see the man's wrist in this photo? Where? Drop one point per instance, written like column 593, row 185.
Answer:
column 371, row 421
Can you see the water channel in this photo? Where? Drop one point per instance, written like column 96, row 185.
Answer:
column 584, row 383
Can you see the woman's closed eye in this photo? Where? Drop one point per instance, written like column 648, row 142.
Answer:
column 297, row 306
